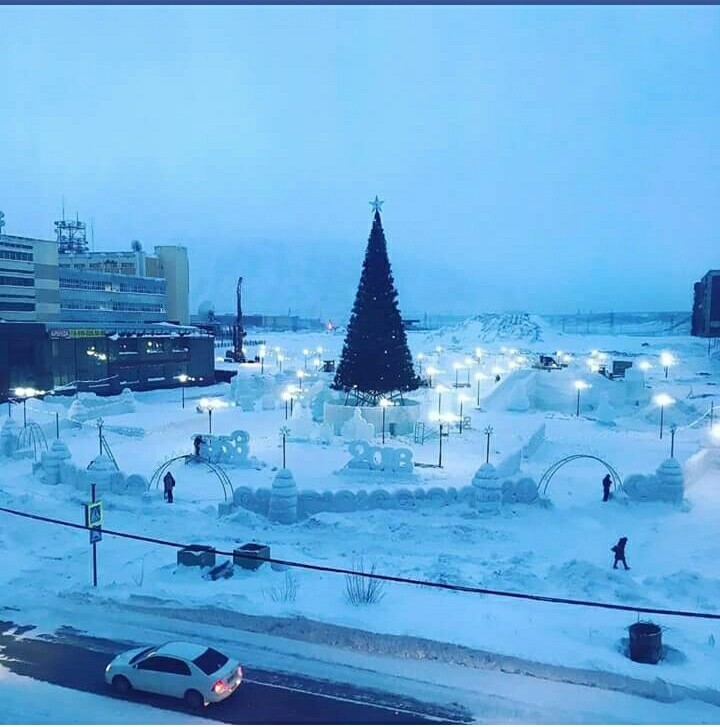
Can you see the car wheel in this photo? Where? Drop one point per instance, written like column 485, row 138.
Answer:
column 194, row 700
column 121, row 685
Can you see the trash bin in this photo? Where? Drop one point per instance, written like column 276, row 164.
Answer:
column 251, row 555
column 645, row 642
column 197, row 555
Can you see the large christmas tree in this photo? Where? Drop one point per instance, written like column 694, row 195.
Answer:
column 376, row 360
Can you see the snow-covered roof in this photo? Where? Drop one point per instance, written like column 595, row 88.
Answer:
column 181, row 649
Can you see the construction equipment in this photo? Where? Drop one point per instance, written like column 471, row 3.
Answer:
column 547, row 363
column 236, row 353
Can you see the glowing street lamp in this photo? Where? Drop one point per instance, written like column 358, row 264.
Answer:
column 209, row 405
column 280, row 358
column 431, row 371
column 319, row 350
column 580, row 385
column 316, row 364
column 384, row 404
column 666, row 361
column 183, row 379
column 262, row 353
column 26, row 393
column 306, row 353
column 300, row 376
column 663, row 400
column 286, row 397
column 479, row 354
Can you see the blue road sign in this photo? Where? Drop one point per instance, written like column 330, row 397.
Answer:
column 94, row 514
column 95, row 535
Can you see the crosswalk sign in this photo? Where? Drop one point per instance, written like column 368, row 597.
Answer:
column 94, row 514
column 95, row 535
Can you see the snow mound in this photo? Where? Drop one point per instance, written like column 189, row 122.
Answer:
column 489, row 328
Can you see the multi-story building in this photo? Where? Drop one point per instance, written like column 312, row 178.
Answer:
column 29, row 288
column 706, row 306
column 97, row 320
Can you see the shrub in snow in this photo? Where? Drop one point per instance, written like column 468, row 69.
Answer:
column 283, row 506
column 286, row 592
column 362, row 590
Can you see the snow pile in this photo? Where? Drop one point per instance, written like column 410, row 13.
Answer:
column 488, row 328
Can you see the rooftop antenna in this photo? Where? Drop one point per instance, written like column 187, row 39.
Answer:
column 92, row 233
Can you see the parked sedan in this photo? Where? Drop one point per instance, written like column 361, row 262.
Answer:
column 198, row 674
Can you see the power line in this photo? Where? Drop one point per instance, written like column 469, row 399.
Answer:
column 381, row 577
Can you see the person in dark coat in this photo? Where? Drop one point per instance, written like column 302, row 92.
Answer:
column 196, row 443
column 607, row 483
column 169, row 485
column 619, row 551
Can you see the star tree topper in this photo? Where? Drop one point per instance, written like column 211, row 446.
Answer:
column 377, row 204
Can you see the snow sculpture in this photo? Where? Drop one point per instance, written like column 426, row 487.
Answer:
column 283, row 498
column 520, row 491
column 357, row 427
column 52, row 461
column 519, row 400
column 89, row 405
column 103, row 473
column 9, row 437
column 604, row 413
column 671, row 480
column 318, row 401
column 365, row 456
column 636, row 393
column 345, row 501
column 488, row 489
column 233, row 449
column 302, row 427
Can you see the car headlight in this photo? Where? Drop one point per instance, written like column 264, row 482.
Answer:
column 108, row 668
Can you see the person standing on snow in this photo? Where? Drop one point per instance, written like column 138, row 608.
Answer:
column 169, row 485
column 619, row 551
column 606, row 483
column 196, row 443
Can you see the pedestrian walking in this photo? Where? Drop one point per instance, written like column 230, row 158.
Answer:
column 619, row 551
column 196, row 443
column 169, row 485
column 606, row 483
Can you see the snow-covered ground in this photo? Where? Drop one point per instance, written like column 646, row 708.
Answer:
column 562, row 550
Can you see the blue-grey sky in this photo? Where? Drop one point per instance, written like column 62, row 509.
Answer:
column 540, row 158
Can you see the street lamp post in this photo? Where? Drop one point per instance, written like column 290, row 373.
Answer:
column 384, row 404
column 209, row 405
column 457, row 367
column 488, row 431
column 431, row 371
column 284, row 431
column 25, row 394
column 478, row 378
column 667, row 360
column 580, row 385
column 300, row 376
column 280, row 359
column 286, row 399
column 462, row 398
column 306, row 353
column 439, row 388
column 183, row 379
column 262, row 353
column 663, row 400
column 673, row 429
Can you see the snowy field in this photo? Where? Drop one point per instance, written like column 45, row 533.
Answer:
column 561, row 548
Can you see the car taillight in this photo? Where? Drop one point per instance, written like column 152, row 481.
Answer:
column 219, row 687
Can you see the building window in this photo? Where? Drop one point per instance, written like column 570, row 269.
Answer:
column 12, row 306
column 13, row 255
column 13, row 280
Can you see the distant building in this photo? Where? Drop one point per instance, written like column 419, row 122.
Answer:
column 706, row 306
column 29, row 287
column 96, row 320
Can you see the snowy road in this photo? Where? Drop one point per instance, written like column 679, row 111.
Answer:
column 264, row 698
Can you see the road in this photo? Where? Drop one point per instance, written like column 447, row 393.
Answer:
column 76, row 661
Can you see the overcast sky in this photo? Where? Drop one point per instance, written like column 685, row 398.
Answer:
column 543, row 158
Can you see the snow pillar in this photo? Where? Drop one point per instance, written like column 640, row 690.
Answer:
column 283, row 498
column 488, row 489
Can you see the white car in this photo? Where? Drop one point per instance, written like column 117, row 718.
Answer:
column 198, row 674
